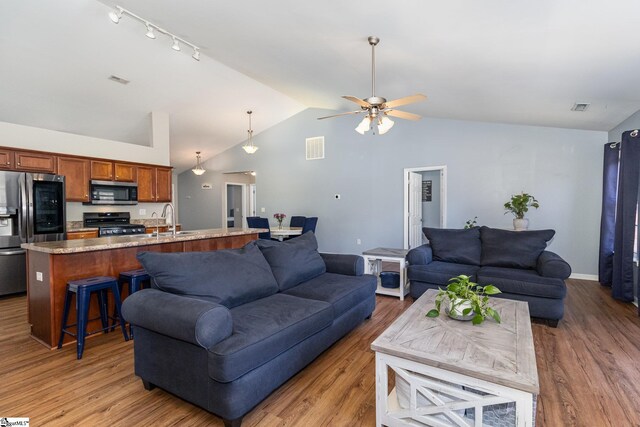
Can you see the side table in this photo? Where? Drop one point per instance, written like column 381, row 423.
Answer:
column 373, row 259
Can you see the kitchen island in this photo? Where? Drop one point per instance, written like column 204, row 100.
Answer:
column 50, row 265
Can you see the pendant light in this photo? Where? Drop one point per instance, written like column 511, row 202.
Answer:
column 198, row 170
column 248, row 146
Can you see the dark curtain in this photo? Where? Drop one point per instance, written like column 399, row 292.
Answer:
column 608, row 220
column 627, row 205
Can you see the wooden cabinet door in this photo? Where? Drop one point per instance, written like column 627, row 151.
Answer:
column 6, row 159
column 146, row 184
column 76, row 172
column 101, row 170
column 124, row 172
column 163, row 185
column 35, row 162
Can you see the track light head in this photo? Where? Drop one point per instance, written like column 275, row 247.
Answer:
column 175, row 46
column 150, row 32
column 115, row 15
column 196, row 54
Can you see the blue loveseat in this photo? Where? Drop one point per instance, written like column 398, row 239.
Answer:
column 514, row 261
column 224, row 329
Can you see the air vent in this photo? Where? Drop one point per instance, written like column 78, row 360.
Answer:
column 315, row 148
column 119, row 80
column 580, row 106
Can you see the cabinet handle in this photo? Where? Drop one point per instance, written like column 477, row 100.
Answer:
column 18, row 163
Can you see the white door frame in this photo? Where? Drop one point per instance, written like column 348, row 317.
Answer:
column 225, row 207
column 252, row 200
column 443, row 197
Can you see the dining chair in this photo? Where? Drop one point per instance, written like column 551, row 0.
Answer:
column 258, row 222
column 297, row 221
column 310, row 224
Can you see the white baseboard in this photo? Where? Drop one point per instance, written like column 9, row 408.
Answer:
column 584, row 276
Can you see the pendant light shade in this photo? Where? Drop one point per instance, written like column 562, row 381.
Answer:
column 198, row 170
column 248, row 146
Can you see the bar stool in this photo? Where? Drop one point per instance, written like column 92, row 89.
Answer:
column 135, row 279
column 83, row 289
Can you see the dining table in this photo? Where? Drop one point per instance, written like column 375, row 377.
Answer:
column 280, row 233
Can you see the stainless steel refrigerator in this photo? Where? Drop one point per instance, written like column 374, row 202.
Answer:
column 32, row 209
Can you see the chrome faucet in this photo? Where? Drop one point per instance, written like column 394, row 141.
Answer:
column 173, row 217
column 157, row 222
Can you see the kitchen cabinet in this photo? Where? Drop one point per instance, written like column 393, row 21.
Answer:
column 75, row 235
column 6, row 159
column 154, row 184
column 124, row 172
column 76, row 173
column 35, row 162
column 163, row 184
column 101, row 170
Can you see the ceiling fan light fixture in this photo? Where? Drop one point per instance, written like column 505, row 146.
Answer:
column 364, row 125
column 198, row 170
column 384, row 124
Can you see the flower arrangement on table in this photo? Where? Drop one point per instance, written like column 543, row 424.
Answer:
column 279, row 217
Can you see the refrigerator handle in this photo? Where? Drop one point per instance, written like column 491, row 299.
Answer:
column 30, row 219
column 22, row 208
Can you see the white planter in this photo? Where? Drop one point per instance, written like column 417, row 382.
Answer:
column 457, row 312
column 520, row 224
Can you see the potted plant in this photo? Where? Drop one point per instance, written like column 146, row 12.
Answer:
column 518, row 206
column 466, row 301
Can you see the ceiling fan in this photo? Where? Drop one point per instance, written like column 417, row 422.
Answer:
column 377, row 107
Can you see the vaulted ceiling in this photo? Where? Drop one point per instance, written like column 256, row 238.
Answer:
column 510, row 61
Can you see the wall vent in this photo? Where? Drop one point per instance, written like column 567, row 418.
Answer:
column 315, row 148
column 580, row 106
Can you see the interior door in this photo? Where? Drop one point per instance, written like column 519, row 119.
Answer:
column 415, row 210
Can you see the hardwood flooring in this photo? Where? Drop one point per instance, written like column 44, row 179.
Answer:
column 588, row 368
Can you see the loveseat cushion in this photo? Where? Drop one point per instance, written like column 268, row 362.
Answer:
column 228, row 277
column 342, row 292
column 455, row 245
column 293, row 261
column 522, row 282
column 439, row 273
column 515, row 249
column 264, row 329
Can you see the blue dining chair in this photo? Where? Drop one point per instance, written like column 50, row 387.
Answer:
column 310, row 224
column 257, row 222
column 297, row 221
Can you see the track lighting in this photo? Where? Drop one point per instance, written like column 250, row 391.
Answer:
column 116, row 15
column 198, row 170
column 248, row 146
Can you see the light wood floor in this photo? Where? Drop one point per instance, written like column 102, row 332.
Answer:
column 589, row 370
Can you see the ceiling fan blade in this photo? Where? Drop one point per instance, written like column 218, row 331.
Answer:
column 404, row 101
column 341, row 114
column 402, row 115
column 360, row 102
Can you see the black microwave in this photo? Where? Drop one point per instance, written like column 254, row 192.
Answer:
column 113, row 193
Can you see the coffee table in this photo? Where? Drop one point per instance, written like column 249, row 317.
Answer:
column 450, row 372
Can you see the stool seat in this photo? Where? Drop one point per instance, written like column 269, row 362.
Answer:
column 83, row 288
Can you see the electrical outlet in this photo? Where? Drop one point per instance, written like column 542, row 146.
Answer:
column 142, row 211
column 358, row 241
column 263, row 210
column 39, row 276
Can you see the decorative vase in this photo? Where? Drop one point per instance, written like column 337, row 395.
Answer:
column 280, row 224
column 456, row 309
column 520, row 224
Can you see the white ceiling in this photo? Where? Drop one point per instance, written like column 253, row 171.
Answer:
column 510, row 61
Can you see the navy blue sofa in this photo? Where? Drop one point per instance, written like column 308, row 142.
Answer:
column 514, row 261
column 224, row 329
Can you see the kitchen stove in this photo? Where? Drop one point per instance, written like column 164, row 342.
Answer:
column 112, row 223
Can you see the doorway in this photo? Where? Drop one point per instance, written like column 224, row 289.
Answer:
column 425, row 202
column 234, row 206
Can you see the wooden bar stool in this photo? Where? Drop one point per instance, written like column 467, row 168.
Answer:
column 83, row 289
column 135, row 279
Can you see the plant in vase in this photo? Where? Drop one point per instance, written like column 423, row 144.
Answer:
column 518, row 206
column 279, row 217
column 466, row 301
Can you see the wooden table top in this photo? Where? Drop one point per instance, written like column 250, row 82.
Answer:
column 387, row 252
column 499, row 353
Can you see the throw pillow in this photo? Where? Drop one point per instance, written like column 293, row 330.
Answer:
column 293, row 261
column 455, row 245
column 229, row 277
column 516, row 249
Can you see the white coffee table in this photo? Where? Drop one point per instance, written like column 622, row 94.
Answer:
column 450, row 372
column 373, row 259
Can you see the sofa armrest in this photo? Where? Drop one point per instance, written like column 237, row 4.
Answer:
column 552, row 265
column 350, row 265
column 422, row 255
column 199, row 322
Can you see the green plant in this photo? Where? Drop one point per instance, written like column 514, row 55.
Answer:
column 460, row 290
column 520, row 203
column 471, row 223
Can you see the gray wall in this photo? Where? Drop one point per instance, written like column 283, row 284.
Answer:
column 487, row 162
column 633, row 122
column 431, row 210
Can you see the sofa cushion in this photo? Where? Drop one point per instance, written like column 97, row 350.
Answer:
column 522, row 282
column 293, row 261
column 517, row 249
column 455, row 245
column 264, row 329
column 228, row 277
column 342, row 292
column 439, row 273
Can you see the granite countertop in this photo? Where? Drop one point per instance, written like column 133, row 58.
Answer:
column 104, row 243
